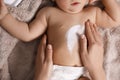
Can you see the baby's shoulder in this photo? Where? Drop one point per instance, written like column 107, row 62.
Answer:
column 91, row 12
column 92, row 9
column 47, row 10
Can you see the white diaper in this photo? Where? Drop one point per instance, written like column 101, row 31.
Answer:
column 67, row 72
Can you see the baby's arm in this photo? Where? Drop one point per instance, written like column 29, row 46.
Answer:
column 22, row 30
column 110, row 16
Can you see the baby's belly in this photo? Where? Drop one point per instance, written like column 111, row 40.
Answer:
column 65, row 45
column 62, row 56
column 65, row 52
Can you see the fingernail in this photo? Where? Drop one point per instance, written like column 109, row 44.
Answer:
column 82, row 36
column 49, row 46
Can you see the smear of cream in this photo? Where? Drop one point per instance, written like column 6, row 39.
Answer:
column 72, row 36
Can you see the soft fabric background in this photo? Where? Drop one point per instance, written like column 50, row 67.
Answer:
column 17, row 57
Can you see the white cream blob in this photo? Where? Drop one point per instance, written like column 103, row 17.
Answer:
column 72, row 36
column 12, row 2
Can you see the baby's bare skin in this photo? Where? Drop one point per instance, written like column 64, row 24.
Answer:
column 90, row 54
column 58, row 21
column 61, row 25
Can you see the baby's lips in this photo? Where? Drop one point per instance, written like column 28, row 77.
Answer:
column 75, row 3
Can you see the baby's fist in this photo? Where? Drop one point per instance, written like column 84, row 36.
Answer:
column 92, row 1
column 3, row 9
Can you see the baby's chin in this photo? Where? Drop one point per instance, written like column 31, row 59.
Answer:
column 73, row 11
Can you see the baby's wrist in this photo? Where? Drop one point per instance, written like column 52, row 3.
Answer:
column 4, row 17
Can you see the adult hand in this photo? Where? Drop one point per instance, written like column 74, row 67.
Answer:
column 92, row 52
column 44, row 62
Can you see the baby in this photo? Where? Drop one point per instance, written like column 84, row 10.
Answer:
column 63, row 24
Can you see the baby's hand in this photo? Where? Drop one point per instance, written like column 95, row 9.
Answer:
column 92, row 1
column 3, row 9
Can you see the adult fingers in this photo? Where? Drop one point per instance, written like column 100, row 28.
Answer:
column 40, row 54
column 49, row 54
column 83, row 48
column 89, row 33
column 97, row 37
column 97, row 34
column 83, row 44
column 94, row 31
column 41, row 48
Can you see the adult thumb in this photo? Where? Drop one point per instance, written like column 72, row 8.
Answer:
column 49, row 53
column 83, row 44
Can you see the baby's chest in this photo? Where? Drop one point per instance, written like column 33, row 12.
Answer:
column 65, row 35
column 62, row 29
column 63, row 26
